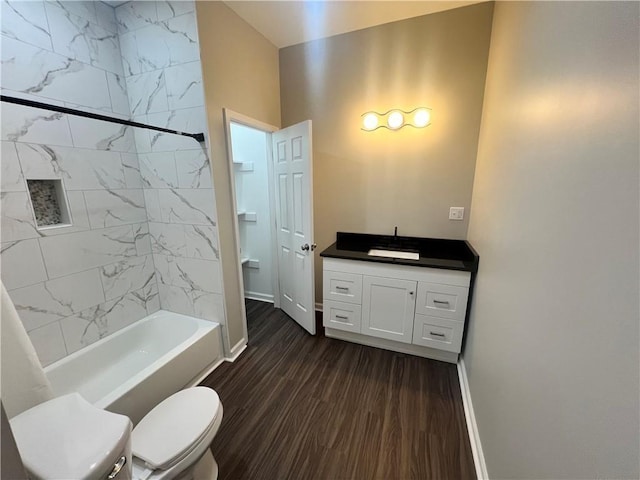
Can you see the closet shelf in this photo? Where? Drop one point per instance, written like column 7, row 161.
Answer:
column 250, row 263
column 244, row 166
column 247, row 216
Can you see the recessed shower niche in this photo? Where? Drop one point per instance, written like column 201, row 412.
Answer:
column 49, row 203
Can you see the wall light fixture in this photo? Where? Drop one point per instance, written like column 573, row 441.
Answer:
column 396, row 119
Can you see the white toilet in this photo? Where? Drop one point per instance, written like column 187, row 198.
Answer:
column 69, row 438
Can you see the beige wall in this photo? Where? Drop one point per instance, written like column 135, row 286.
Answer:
column 552, row 346
column 240, row 72
column 372, row 181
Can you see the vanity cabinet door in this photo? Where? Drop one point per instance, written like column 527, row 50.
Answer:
column 388, row 307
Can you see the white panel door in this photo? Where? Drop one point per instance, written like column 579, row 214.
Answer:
column 388, row 307
column 294, row 222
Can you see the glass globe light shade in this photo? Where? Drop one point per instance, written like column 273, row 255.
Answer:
column 421, row 117
column 370, row 121
column 395, row 120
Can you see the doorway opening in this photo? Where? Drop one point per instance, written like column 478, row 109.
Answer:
column 272, row 190
column 253, row 210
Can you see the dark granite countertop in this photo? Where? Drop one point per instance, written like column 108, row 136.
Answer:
column 434, row 252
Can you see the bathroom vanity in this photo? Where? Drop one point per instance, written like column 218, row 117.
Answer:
column 406, row 294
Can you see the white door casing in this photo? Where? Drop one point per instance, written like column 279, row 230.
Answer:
column 293, row 173
column 234, row 117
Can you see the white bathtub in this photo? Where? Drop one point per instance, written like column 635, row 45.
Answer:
column 137, row 367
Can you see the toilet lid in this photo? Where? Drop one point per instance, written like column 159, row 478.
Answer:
column 174, row 427
column 67, row 437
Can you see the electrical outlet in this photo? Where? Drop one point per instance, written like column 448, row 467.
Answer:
column 456, row 213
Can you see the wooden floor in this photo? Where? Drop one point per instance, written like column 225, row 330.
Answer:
column 303, row 407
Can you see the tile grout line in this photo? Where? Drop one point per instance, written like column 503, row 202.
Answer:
column 62, row 55
column 117, row 299
column 44, row 263
column 75, row 273
column 64, row 340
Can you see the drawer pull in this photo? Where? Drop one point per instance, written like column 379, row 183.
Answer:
column 344, row 289
column 436, row 334
column 441, row 302
column 342, row 317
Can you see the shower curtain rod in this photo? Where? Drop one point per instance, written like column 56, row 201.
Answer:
column 199, row 137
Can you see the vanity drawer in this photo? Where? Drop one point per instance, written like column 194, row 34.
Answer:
column 437, row 333
column 342, row 316
column 445, row 301
column 342, row 287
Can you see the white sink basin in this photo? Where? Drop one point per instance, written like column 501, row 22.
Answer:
column 394, row 254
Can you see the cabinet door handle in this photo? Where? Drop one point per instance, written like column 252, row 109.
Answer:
column 436, row 334
column 342, row 317
column 441, row 302
column 344, row 289
column 411, row 293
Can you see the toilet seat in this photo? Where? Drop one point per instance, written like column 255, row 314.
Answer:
column 176, row 427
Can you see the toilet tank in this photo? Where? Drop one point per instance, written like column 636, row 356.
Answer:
column 67, row 437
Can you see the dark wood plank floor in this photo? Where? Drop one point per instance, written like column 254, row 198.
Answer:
column 303, row 407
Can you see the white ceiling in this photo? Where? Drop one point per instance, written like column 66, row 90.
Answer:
column 286, row 23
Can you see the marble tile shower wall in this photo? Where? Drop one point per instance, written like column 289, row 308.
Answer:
column 161, row 60
column 76, row 284
column 71, row 285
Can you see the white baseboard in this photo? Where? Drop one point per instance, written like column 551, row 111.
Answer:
column 236, row 351
column 261, row 297
column 472, row 426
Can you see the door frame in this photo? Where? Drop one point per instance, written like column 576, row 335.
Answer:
column 230, row 117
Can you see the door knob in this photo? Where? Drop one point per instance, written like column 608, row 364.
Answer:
column 305, row 247
column 313, row 246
